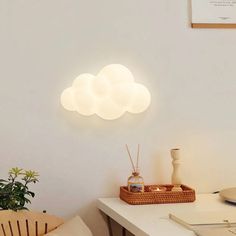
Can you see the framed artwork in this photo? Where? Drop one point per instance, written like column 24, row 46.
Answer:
column 213, row 13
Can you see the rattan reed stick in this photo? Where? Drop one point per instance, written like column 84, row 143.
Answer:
column 137, row 162
column 127, row 148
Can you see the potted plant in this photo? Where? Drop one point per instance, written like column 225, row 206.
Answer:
column 14, row 192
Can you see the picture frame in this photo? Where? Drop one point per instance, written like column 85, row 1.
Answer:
column 213, row 13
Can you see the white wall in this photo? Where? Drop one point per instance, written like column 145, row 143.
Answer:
column 45, row 44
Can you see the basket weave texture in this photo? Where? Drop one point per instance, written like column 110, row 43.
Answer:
column 168, row 196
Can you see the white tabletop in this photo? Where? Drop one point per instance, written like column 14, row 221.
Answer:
column 153, row 220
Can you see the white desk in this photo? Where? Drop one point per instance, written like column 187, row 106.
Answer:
column 153, row 220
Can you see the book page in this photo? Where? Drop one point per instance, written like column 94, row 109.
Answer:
column 214, row 11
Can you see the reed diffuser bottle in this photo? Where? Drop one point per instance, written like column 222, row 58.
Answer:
column 135, row 181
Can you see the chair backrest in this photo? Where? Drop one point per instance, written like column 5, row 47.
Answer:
column 27, row 223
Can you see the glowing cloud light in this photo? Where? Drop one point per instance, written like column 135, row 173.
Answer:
column 109, row 94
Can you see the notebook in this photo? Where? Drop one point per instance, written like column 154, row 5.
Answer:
column 216, row 232
column 193, row 219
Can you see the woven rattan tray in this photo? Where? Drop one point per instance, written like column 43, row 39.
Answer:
column 147, row 197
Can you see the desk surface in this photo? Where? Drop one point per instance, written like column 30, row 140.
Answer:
column 153, row 220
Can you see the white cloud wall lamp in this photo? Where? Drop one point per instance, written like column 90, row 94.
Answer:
column 109, row 94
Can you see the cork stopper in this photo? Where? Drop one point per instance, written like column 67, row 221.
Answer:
column 135, row 173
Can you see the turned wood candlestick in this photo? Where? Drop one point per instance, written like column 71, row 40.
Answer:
column 175, row 178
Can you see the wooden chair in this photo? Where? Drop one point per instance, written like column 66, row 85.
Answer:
column 27, row 223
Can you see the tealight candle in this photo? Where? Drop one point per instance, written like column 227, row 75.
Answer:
column 157, row 189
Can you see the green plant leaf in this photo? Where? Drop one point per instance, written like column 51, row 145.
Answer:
column 13, row 191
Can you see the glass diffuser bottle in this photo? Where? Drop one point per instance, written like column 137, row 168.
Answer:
column 135, row 181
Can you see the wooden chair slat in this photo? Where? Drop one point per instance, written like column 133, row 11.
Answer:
column 27, row 227
column 6, row 228
column 41, row 229
column 46, row 228
column 36, row 228
column 31, row 227
column 3, row 230
column 10, row 227
column 18, row 226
